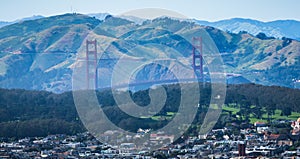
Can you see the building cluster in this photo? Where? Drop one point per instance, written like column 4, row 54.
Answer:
column 256, row 141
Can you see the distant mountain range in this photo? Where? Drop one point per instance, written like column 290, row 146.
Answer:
column 41, row 54
column 277, row 29
column 4, row 23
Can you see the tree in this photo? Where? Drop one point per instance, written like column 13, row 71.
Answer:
column 244, row 107
column 286, row 111
column 257, row 111
column 263, row 36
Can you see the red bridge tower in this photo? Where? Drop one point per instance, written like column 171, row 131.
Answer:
column 197, row 57
column 91, row 64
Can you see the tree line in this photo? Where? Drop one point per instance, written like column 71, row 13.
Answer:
column 39, row 113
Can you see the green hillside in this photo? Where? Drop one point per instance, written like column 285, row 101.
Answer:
column 43, row 52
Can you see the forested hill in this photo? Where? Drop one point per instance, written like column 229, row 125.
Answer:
column 38, row 113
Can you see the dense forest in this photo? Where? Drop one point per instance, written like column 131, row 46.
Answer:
column 39, row 113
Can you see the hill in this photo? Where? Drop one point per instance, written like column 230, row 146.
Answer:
column 41, row 54
column 278, row 28
column 5, row 23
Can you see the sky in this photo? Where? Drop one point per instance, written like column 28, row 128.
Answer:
column 210, row 10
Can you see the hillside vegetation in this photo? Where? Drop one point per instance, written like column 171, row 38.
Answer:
column 39, row 113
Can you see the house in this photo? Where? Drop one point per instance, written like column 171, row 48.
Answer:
column 284, row 140
column 161, row 137
column 260, row 124
column 279, row 139
column 296, row 127
column 271, row 138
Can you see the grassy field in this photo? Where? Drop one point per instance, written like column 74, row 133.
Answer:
column 276, row 116
column 231, row 109
column 161, row 117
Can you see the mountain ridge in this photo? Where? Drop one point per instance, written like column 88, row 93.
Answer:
column 34, row 17
column 60, row 38
column 274, row 28
column 277, row 28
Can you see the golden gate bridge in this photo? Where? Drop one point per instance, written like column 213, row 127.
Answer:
column 92, row 66
column 91, row 62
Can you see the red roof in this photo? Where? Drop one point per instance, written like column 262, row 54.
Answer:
column 273, row 137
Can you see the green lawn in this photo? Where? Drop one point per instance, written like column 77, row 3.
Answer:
column 276, row 116
column 253, row 119
column 161, row 117
column 171, row 113
column 231, row 109
column 294, row 115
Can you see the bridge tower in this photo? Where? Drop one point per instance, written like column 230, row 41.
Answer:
column 91, row 64
column 197, row 57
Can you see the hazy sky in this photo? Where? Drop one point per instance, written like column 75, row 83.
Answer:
column 211, row 10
